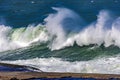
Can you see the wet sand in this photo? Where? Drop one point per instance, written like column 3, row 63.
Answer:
column 29, row 75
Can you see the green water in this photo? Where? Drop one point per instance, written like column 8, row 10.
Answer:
column 75, row 53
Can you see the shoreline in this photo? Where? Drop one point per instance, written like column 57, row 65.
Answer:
column 30, row 75
column 27, row 74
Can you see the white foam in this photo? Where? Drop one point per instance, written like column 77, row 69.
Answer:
column 5, row 42
column 104, row 30
column 21, row 37
column 30, row 34
column 55, row 25
column 109, row 65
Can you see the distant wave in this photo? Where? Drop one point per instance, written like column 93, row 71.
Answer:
column 64, row 28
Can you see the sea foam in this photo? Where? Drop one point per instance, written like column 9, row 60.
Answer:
column 109, row 65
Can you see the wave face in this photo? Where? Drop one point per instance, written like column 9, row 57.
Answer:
column 75, row 53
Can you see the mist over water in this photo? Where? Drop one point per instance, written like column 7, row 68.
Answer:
column 60, row 23
column 103, row 31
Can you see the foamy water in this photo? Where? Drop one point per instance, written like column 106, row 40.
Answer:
column 110, row 65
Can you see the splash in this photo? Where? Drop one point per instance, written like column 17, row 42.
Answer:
column 5, row 43
column 21, row 37
column 54, row 27
column 59, row 23
column 103, row 31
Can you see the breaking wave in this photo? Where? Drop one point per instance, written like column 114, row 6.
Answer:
column 63, row 28
column 11, row 38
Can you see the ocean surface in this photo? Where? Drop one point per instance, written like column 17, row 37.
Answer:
column 81, row 36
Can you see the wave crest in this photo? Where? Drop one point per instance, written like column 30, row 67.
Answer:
column 62, row 29
column 11, row 38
